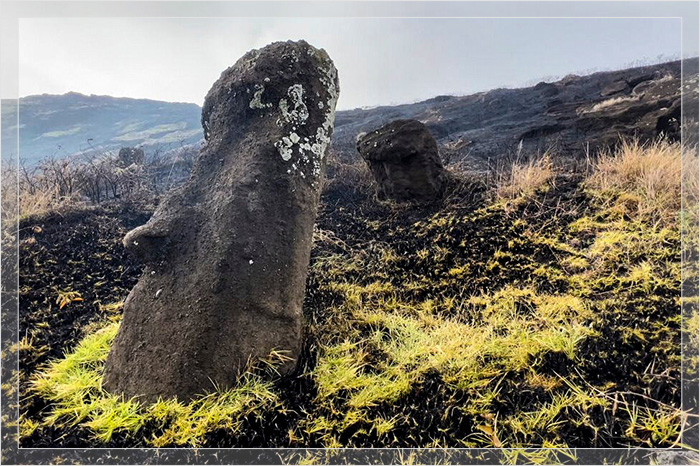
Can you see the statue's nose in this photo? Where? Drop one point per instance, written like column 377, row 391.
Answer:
column 148, row 242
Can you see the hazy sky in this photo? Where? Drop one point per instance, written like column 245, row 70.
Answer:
column 380, row 61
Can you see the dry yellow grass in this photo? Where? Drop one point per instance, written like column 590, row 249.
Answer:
column 38, row 202
column 21, row 200
column 9, row 195
column 526, row 179
column 609, row 103
column 652, row 177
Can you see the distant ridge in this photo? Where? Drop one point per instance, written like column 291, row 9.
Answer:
column 63, row 125
column 568, row 115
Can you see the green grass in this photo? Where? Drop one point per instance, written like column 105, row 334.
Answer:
column 519, row 324
column 73, row 386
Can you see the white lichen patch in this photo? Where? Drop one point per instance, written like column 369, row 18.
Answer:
column 323, row 134
column 257, row 98
column 313, row 148
column 296, row 113
column 252, row 59
column 284, row 146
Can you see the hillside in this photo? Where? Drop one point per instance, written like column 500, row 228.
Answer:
column 569, row 115
column 71, row 123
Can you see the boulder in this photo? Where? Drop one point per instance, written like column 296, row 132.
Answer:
column 547, row 89
column 403, row 157
column 227, row 253
column 130, row 155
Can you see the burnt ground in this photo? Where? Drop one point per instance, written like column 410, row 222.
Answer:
column 71, row 251
column 81, row 251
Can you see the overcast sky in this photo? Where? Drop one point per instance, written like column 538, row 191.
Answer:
column 380, row 61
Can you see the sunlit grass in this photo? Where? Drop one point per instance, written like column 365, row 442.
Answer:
column 510, row 359
column 525, row 179
column 645, row 180
column 73, row 385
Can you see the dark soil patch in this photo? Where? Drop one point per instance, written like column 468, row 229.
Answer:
column 78, row 250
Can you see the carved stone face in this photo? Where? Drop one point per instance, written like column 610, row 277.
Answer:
column 227, row 253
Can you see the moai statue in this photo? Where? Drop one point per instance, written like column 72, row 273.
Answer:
column 227, row 253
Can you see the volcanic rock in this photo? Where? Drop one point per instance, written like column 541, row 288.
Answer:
column 614, row 88
column 227, row 253
column 403, row 157
column 130, row 155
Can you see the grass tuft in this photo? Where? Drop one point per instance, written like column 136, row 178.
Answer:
column 524, row 180
column 644, row 181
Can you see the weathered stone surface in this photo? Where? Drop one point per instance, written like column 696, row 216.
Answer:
column 403, row 157
column 614, row 88
column 227, row 253
column 676, row 457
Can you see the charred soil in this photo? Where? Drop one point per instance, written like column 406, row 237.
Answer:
column 541, row 320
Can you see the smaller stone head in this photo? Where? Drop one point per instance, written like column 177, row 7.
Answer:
column 403, row 157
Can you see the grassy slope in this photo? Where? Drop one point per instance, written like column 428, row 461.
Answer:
column 548, row 316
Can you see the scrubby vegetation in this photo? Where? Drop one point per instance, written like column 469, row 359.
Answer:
column 542, row 312
column 89, row 179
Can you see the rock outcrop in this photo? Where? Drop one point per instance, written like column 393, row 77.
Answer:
column 403, row 157
column 227, row 253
